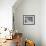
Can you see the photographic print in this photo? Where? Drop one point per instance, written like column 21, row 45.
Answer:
column 29, row 19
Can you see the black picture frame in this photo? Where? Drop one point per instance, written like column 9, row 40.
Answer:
column 29, row 19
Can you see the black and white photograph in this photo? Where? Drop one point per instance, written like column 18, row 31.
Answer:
column 29, row 19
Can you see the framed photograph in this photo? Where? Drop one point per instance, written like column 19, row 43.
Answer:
column 28, row 19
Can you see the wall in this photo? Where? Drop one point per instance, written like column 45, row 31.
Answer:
column 43, row 22
column 29, row 7
column 6, row 13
